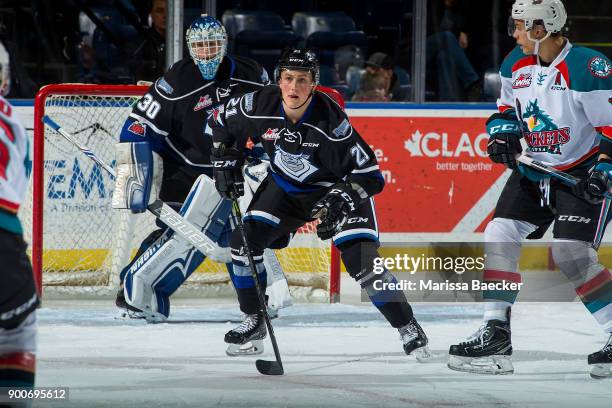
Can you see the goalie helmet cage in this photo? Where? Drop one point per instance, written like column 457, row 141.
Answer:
column 79, row 244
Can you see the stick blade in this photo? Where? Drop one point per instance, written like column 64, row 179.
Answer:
column 266, row 367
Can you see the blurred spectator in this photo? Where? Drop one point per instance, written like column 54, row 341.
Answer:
column 447, row 38
column 14, row 79
column 381, row 63
column 374, row 87
column 146, row 54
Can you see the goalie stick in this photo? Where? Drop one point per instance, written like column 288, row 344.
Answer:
column 161, row 210
column 572, row 181
column 263, row 366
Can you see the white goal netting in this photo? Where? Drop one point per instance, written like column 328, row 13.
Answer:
column 79, row 243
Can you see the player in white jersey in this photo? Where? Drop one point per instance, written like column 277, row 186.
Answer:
column 18, row 298
column 558, row 98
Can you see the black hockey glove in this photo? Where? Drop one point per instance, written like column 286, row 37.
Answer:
column 600, row 179
column 334, row 208
column 227, row 171
column 504, row 139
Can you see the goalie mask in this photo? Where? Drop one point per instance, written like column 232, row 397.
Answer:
column 550, row 14
column 207, row 42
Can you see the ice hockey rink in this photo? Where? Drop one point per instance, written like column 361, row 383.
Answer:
column 340, row 355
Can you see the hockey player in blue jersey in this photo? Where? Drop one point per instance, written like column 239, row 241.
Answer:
column 558, row 98
column 165, row 139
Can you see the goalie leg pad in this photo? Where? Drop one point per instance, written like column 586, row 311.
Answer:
column 359, row 259
column 163, row 267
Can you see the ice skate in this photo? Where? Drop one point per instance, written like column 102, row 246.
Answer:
column 126, row 311
column 601, row 361
column 485, row 352
column 415, row 341
column 247, row 338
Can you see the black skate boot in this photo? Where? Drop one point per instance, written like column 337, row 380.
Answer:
column 485, row 352
column 415, row 341
column 601, row 361
column 127, row 311
column 247, row 338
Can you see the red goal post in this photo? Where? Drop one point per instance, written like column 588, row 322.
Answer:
column 78, row 242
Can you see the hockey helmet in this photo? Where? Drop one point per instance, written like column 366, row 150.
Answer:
column 550, row 13
column 298, row 59
column 207, row 42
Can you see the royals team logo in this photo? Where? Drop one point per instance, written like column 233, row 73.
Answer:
column 542, row 134
column 137, row 128
column 203, row 102
column 296, row 166
column 522, row 81
column 600, row 67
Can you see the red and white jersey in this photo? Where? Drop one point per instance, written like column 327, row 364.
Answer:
column 564, row 108
column 14, row 166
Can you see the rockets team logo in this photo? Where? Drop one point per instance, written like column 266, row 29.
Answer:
column 600, row 67
column 542, row 134
column 522, row 81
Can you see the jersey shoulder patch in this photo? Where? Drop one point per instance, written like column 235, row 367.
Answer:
column 588, row 70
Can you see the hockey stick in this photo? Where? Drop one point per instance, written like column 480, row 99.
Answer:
column 263, row 366
column 161, row 210
column 573, row 181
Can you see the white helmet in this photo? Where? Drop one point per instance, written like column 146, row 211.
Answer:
column 550, row 12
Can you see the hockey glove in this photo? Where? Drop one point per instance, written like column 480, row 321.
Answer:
column 504, row 139
column 227, row 171
column 600, row 179
column 333, row 209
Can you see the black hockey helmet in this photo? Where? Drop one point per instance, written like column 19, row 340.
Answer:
column 299, row 59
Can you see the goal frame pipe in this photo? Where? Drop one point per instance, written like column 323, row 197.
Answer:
column 38, row 174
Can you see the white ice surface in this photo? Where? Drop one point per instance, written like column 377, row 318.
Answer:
column 334, row 356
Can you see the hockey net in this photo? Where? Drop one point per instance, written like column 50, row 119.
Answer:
column 80, row 244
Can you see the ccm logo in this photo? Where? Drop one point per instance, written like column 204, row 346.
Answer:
column 574, row 218
column 228, row 163
column 355, row 220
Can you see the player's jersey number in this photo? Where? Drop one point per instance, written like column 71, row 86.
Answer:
column 149, row 106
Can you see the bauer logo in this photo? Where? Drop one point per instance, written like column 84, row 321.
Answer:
column 433, row 144
column 522, row 81
column 204, row 102
column 137, row 128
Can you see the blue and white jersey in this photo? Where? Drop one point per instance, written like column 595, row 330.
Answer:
column 317, row 152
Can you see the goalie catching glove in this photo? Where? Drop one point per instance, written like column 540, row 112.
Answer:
column 227, row 171
column 334, row 208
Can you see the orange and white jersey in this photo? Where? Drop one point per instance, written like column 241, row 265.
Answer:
column 14, row 166
column 564, row 108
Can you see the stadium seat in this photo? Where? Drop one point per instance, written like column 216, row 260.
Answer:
column 260, row 35
column 324, row 32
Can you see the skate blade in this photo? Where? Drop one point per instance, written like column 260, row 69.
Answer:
column 250, row 348
column 423, row 354
column 599, row 371
column 125, row 314
column 481, row 365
